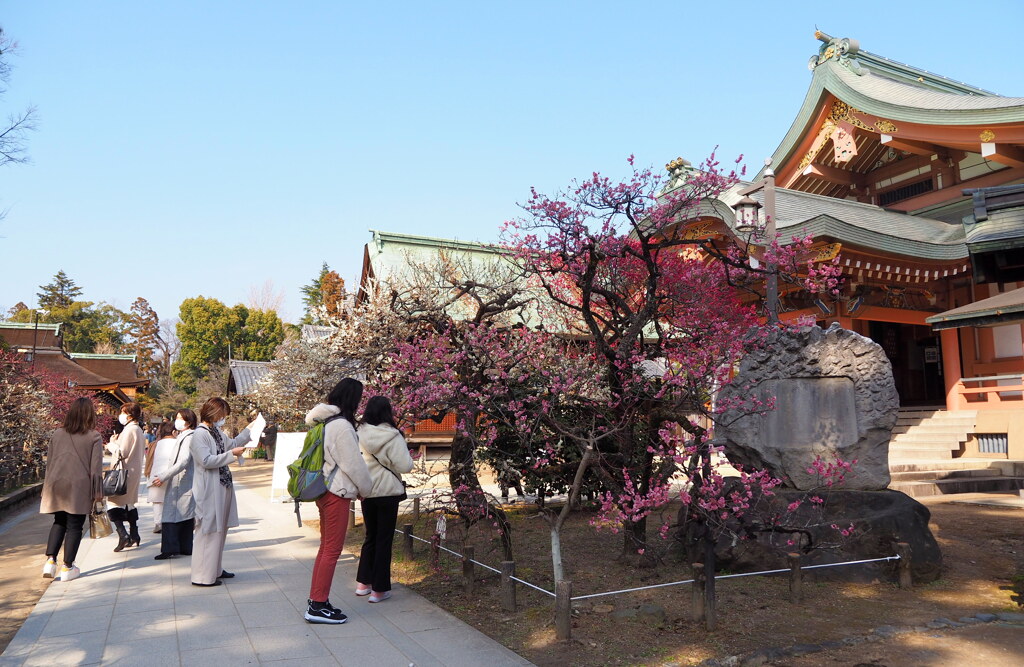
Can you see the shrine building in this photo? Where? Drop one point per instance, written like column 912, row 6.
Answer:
column 916, row 183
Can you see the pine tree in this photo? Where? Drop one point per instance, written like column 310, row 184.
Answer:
column 313, row 296
column 61, row 293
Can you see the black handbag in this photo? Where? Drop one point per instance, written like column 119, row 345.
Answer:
column 115, row 480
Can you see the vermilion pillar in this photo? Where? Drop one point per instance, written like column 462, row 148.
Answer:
column 951, row 370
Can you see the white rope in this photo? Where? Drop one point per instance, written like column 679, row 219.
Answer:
column 733, row 576
column 630, row 590
column 852, row 562
column 536, row 588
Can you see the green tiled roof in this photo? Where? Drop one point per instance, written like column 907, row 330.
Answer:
column 898, row 92
column 800, row 213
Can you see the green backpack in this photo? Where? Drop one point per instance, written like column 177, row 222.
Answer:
column 306, row 479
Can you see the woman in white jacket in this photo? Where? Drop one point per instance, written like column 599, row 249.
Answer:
column 157, row 458
column 347, row 478
column 387, row 457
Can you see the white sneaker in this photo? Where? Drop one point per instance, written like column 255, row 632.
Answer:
column 379, row 597
column 69, row 573
column 49, row 569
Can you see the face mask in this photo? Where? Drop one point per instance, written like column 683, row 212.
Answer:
column 219, row 423
column 179, row 424
column 123, row 418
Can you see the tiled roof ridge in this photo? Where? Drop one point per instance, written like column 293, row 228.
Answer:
column 867, row 57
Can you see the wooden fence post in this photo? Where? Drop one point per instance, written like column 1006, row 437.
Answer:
column 563, row 610
column 407, row 541
column 796, row 576
column 710, row 600
column 416, row 509
column 904, row 552
column 508, row 585
column 697, row 592
column 468, row 569
column 352, row 518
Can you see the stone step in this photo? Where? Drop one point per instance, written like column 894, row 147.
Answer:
column 941, row 487
column 925, row 475
column 953, row 439
column 916, row 454
column 923, row 443
column 995, row 466
column 938, row 423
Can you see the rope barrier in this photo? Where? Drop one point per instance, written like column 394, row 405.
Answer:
column 644, row 588
column 733, row 576
column 537, row 588
column 630, row 590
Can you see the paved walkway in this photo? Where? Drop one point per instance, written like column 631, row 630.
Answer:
column 128, row 609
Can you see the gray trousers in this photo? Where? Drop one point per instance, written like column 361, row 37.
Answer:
column 208, row 548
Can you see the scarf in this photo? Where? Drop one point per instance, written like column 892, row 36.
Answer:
column 225, row 473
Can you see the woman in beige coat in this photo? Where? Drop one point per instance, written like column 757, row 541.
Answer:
column 131, row 448
column 74, row 466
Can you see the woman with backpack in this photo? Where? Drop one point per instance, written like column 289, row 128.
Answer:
column 179, row 510
column 387, row 457
column 347, row 478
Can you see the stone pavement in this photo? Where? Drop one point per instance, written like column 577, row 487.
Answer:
column 128, row 609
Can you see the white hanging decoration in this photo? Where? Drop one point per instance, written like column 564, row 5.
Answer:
column 442, row 527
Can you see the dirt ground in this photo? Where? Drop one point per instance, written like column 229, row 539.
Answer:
column 983, row 548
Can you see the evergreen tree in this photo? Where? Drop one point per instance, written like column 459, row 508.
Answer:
column 313, row 297
column 149, row 341
column 61, row 293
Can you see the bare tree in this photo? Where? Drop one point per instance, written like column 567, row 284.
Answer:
column 13, row 136
column 265, row 297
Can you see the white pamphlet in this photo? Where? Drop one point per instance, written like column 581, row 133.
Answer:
column 256, row 430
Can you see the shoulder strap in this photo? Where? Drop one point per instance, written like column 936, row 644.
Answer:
column 79, row 455
column 397, row 476
column 178, row 453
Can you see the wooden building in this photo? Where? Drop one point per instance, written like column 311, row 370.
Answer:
column 890, row 167
column 112, row 377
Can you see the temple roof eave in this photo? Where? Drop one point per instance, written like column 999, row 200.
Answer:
column 872, row 94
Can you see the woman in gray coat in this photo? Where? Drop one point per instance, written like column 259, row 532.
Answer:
column 130, row 447
column 214, row 491
column 74, row 466
column 179, row 509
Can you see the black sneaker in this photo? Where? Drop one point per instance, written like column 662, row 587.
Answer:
column 323, row 612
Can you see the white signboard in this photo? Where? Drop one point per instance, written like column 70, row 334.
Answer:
column 289, row 446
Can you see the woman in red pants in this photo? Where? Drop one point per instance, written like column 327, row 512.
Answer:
column 347, row 478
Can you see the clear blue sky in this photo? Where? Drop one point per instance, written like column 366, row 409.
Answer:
column 188, row 148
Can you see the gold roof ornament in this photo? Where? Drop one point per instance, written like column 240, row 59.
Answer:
column 842, row 50
column 987, row 136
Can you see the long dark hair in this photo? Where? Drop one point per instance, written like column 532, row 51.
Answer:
column 378, row 411
column 346, row 396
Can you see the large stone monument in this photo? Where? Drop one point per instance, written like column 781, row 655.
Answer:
column 828, row 394
column 834, row 397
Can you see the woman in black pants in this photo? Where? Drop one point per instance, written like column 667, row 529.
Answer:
column 73, row 483
column 387, row 457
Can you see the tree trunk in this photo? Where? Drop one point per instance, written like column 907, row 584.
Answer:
column 462, row 475
column 556, row 553
column 634, row 537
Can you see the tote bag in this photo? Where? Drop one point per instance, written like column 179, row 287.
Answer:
column 115, row 480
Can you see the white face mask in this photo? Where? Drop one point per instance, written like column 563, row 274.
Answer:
column 123, row 418
column 219, row 423
column 179, row 424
